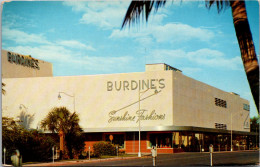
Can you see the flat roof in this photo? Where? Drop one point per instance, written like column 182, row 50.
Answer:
column 168, row 128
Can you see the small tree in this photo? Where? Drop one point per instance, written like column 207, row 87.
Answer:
column 25, row 119
column 60, row 120
column 254, row 124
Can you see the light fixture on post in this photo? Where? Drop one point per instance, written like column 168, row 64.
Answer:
column 60, row 133
column 139, row 127
column 59, row 97
column 22, row 106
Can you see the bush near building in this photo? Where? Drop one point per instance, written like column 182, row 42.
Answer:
column 104, row 148
column 32, row 145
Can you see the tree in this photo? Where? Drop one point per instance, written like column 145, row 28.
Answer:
column 32, row 145
column 60, row 120
column 25, row 119
column 241, row 25
column 254, row 124
column 3, row 90
column 254, row 127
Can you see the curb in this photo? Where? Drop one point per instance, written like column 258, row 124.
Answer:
column 82, row 161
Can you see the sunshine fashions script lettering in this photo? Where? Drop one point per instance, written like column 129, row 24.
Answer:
column 140, row 115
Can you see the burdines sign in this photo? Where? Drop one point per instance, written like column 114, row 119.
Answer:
column 23, row 60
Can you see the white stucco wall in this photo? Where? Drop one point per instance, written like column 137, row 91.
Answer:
column 181, row 101
column 94, row 99
column 194, row 105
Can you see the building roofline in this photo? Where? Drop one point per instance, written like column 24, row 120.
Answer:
column 167, row 65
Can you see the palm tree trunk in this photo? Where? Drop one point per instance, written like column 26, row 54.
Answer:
column 247, row 47
column 61, row 134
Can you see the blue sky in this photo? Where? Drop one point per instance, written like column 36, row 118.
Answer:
column 84, row 38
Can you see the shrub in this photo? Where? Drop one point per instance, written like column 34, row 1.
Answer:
column 104, row 148
column 32, row 145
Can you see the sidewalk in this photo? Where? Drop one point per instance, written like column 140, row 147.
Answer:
column 71, row 162
column 61, row 163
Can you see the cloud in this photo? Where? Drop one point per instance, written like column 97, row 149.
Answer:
column 190, row 70
column 45, row 52
column 214, row 58
column 171, row 32
column 75, row 44
column 162, row 55
column 77, row 6
column 105, row 64
column 180, row 32
column 104, row 15
column 205, row 57
column 21, row 37
column 72, row 62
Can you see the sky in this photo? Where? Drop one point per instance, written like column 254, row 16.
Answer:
column 85, row 38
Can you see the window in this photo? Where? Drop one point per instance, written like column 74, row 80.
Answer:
column 117, row 139
column 220, row 126
column 220, row 102
column 163, row 140
column 246, row 107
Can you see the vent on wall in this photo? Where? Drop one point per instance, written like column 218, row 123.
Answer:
column 220, row 126
column 220, row 102
column 246, row 107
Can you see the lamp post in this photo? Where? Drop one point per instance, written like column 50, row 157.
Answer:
column 53, row 154
column 61, row 134
column 139, row 95
column 59, row 97
column 23, row 106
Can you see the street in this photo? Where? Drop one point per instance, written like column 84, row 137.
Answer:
column 184, row 159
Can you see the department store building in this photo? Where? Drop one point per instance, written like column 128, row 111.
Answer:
column 175, row 112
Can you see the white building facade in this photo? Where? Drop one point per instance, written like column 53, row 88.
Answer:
column 176, row 112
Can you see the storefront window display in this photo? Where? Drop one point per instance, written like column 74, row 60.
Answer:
column 162, row 140
column 117, row 139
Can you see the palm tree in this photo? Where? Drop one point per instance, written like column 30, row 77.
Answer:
column 241, row 25
column 25, row 120
column 60, row 120
column 3, row 90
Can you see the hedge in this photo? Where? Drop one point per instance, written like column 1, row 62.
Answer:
column 104, row 148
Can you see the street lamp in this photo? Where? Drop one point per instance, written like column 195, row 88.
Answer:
column 61, row 134
column 155, row 92
column 231, row 146
column 59, row 97
column 22, row 106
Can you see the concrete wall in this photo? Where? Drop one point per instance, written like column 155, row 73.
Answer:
column 194, row 105
column 111, row 101
column 98, row 104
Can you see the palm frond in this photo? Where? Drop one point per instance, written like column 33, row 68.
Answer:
column 3, row 90
column 136, row 8
column 221, row 4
